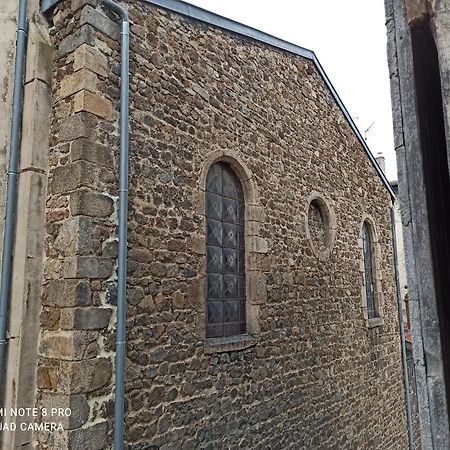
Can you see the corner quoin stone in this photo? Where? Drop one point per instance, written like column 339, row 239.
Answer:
column 89, row 203
column 93, row 318
column 87, row 267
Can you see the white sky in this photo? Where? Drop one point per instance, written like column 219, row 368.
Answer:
column 349, row 38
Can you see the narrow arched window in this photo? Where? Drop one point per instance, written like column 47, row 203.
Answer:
column 225, row 299
column 368, row 271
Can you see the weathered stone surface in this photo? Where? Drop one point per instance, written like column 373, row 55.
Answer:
column 93, row 103
column 87, row 267
column 78, row 405
column 80, row 125
column 92, row 318
column 91, row 438
column 87, row 57
column 100, row 22
column 88, row 375
column 72, row 176
column 68, row 345
column 76, row 236
column 83, row 149
column 67, row 293
column 91, row 203
column 84, row 35
column 212, row 96
column 80, row 80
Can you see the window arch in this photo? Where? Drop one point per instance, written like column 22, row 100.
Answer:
column 225, row 253
column 369, row 275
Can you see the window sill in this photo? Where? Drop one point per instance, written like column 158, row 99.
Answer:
column 229, row 343
column 375, row 322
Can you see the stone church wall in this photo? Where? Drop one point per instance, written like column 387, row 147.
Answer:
column 314, row 373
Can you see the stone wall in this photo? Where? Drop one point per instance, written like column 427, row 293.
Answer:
column 77, row 319
column 312, row 374
column 315, row 375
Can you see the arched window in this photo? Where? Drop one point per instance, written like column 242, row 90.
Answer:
column 369, row 271
column 225, row 267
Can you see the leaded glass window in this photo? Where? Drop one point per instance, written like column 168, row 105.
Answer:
column 225, row 299
column 368, row 272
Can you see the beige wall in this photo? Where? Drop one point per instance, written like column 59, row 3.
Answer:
column 26, row 282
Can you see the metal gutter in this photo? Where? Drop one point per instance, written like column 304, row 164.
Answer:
column 194, row 12
column 11, row 190
column 402, row 335
column 119, row 418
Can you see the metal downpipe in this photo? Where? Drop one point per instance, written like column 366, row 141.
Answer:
column 402, row 335
column 119, row 407
column 11, row 190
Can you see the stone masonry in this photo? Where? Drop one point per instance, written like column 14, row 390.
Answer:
column 313, row 372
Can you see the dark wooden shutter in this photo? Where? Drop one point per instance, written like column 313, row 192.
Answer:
column 225, row 300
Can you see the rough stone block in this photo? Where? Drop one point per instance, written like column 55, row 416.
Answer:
column 83, row 149
column 197, row 244
column 80, row 125
column 77, row 403
column 255, row 213
column 68, row 345
column 84, row 35
column 47, row 378
column 75, row 236
column 86, row 57
column 68, row 293
column 87, row 376
column 259, row 245
column 87, row 267
column 100, row 22
column 87, row 101
column 257, row 287
column 91, row 203
column 92, row 438
column 77, row 81
column 93, row 318
column 72, row 176
column 78, row 4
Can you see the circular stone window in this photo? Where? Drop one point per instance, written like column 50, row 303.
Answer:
column 320, row 226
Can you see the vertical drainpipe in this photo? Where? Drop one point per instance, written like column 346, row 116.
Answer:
column 123, row 210
column 11, row 190
column 402, row 335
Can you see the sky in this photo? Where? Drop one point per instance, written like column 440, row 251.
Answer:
column 349, row 39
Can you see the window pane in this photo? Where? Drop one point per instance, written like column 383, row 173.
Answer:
column 225, row 253
column 368, row 272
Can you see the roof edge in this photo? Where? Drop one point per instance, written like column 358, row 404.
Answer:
column 195, row 12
